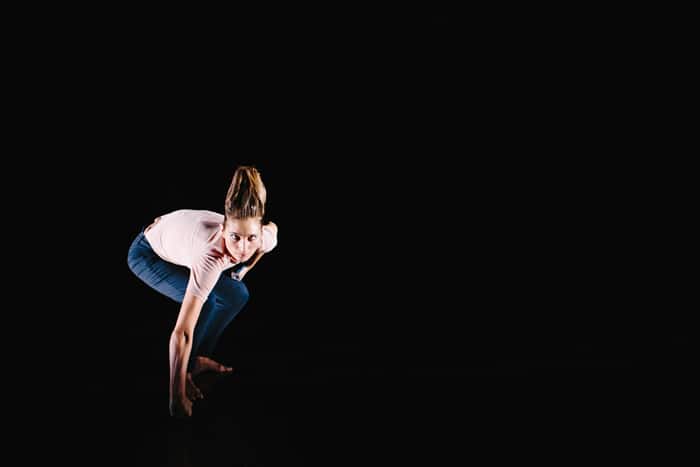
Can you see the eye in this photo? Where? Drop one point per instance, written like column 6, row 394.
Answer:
column 252, row 238
column 235, row 237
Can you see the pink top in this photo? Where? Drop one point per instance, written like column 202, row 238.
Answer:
column 193, row 238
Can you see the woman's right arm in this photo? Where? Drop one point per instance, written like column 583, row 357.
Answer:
column 180, row 348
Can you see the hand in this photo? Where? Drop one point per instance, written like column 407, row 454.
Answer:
column 238, row 275
column 181, row 407
column 191, row 389
column 247, row 265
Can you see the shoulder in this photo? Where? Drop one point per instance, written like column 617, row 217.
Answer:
column 269, row 236
column 210, row 215
column 270, row 227
column 211, row 258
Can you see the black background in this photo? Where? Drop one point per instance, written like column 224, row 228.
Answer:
column 467, row 251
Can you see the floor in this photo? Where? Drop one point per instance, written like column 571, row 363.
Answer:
column 281, row 409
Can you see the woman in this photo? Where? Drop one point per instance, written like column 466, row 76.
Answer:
column 198, row 258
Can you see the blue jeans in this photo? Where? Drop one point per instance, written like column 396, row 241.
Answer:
column 226, row 300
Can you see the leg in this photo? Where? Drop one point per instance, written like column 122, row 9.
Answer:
column 166, row 278
column 228, row 298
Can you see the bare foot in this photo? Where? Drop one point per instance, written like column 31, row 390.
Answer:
column 202, row 364
column 191, row 389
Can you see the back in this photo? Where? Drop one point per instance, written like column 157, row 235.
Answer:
column 178, row 235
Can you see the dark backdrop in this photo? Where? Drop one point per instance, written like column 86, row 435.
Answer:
column 464, row 237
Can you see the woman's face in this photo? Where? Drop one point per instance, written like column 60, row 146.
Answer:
column 243, row 237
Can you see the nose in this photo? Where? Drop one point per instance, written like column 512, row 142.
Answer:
column 245, row 246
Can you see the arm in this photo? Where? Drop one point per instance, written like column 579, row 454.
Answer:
column 238, row 275
column 180, row 348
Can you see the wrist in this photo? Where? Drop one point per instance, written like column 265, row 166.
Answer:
column 177, row 396
column 177, row 390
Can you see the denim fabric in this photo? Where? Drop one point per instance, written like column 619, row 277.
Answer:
column 226, row 300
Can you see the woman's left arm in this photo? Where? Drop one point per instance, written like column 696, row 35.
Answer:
column 238, row 275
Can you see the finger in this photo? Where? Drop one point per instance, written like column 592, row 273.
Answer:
column 196, row 392
column 191, row 390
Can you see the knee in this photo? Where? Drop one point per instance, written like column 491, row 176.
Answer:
column 234, row 294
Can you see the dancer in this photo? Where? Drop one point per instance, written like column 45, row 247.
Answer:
column 199, row 258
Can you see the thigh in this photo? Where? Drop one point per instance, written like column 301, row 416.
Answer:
column 167, row 278
column 230, row 292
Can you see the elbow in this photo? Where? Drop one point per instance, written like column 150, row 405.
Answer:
column 180, row 336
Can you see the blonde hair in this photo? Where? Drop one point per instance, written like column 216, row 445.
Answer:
column 246, row 195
